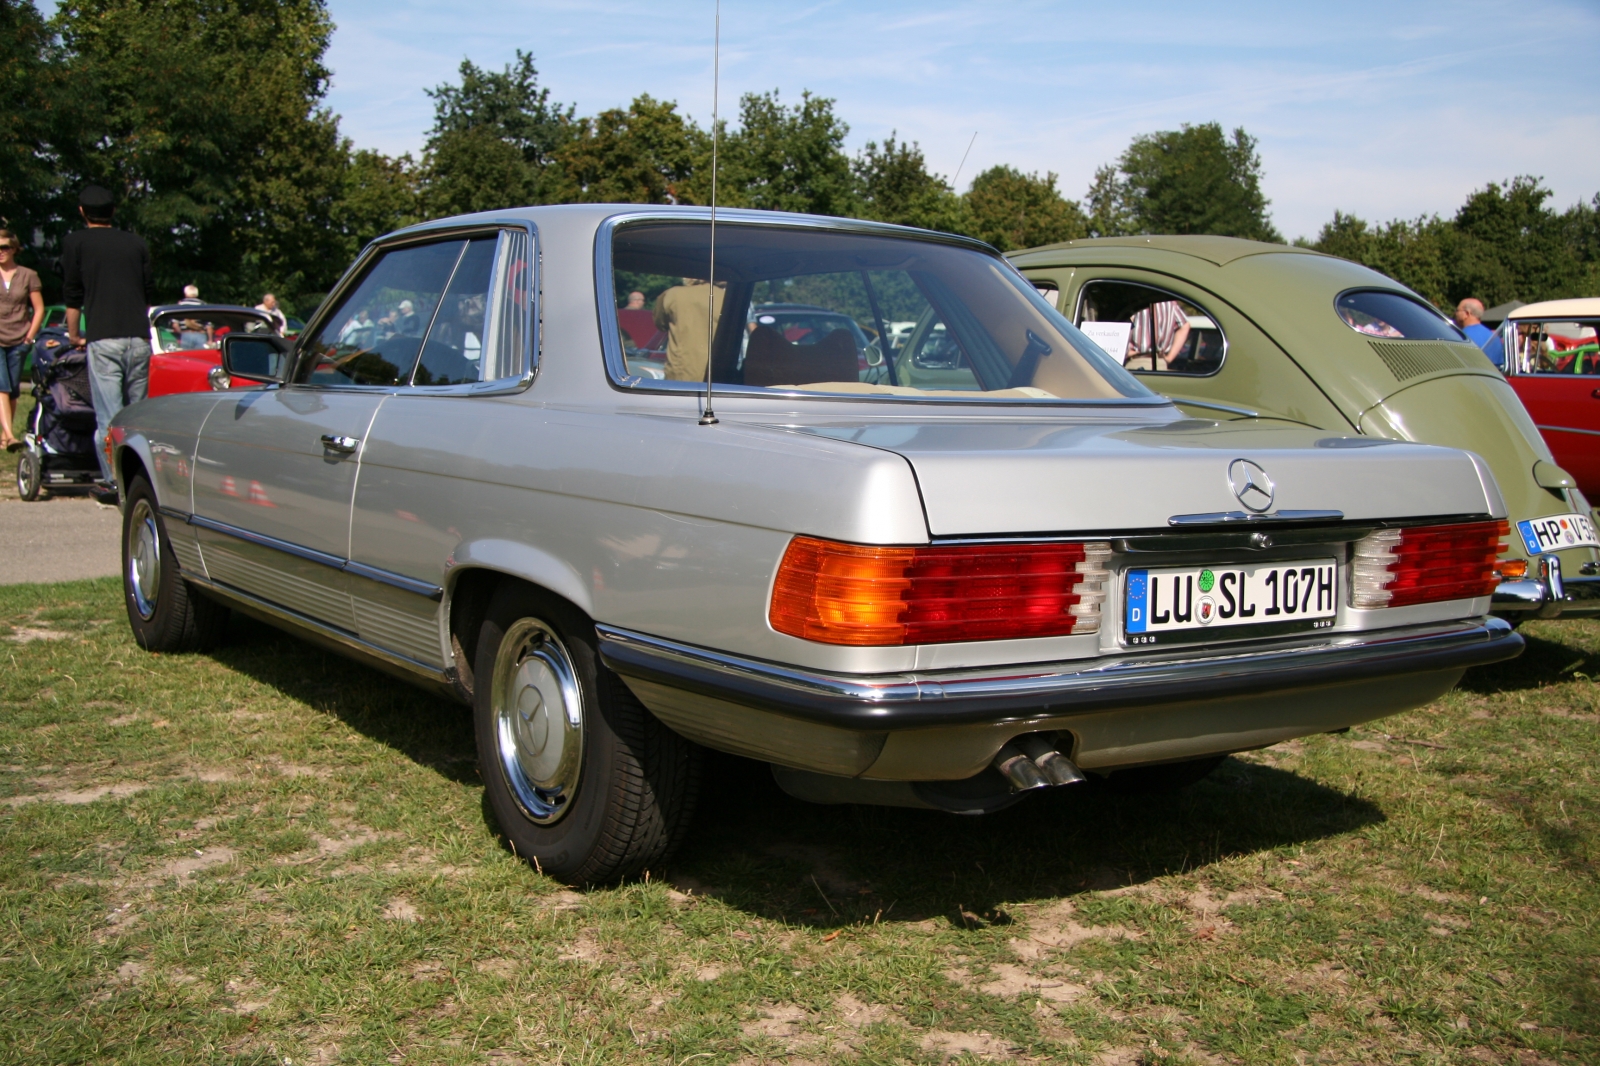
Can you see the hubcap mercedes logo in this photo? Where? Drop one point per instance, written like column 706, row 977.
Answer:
column 1251, row 485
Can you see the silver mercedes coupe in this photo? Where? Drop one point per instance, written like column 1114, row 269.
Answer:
column 922, row 544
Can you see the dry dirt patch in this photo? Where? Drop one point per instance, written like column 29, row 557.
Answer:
column 79, row 795
column 1053, row 928
column 948, row 1045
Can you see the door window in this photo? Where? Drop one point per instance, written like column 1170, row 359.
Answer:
column 1556, row 348
column 1150, row 329
column 454, row 312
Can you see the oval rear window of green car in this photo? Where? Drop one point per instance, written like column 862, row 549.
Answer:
column 1392, row 316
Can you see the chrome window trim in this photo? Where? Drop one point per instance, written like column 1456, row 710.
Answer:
column 425, row 589
column 617, row 375
column 1077, row 308
column 423, row 234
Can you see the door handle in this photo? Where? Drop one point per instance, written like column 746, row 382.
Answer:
column 340, row 444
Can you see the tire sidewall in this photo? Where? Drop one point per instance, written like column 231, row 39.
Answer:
column 154, row 631
column 565, row 849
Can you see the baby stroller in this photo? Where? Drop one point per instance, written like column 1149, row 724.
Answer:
column 58, row 449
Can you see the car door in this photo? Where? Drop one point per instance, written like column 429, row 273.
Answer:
column 276, row 468
column 1226, row 367
column 425, row 462
column 1555, row 370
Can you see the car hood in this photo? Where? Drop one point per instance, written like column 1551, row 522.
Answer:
column 981, row 478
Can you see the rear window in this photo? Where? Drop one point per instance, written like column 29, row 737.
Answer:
column 1390, row 315
column 802, row 310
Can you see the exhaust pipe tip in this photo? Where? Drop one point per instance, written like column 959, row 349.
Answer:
column 1019, row 769
column 1056, row 767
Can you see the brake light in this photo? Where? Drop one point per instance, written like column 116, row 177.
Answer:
column 1401, row 567
column 868, row 596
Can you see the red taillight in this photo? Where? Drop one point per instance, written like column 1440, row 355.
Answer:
column 850, row 594
column 1426, row 564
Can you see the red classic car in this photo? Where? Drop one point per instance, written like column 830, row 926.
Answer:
column 1553, row 361
column 186, row 342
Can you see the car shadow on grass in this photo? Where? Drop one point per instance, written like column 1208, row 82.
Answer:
column 428, row 729
column 771, row 855
column 761, row 851
column 1553, row 655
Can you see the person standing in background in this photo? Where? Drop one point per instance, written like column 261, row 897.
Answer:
column 21, row 315
column 269, row 307
column 681, row 313
column 191, row 296
column 1469, row 316
column 109, row 276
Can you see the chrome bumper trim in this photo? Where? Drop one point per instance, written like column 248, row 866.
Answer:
column 1580, row 598
column 913, row 700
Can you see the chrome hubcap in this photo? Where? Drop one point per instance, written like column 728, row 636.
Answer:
column 538, row 718
column 144, row 558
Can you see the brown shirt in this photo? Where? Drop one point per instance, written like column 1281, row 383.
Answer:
column 16, row 307
column 681, row 311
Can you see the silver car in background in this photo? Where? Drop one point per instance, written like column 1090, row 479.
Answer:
column 982, row 561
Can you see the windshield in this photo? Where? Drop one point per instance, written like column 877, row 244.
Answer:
column 192, row 328
column 820, row 311
column 1388, row 314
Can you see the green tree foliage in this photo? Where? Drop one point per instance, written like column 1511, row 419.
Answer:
column 1010, row 210
column 1191, row 180
column 29, row 120
column 645, row 154
column 893, row 184
column 1503, row 244
column 784, row 158
column 380, row 194
column 494, row 140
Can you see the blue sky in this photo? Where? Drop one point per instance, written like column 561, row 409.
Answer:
column 1381, row 109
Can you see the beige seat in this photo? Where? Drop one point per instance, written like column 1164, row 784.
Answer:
column 771, row 360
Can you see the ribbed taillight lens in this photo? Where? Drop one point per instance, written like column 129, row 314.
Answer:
column 1426, row 564
column 853, row 594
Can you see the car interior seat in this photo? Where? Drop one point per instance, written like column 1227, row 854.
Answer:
column 771, row 360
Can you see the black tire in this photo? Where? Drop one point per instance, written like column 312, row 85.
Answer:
column 30, row 474
column 1161, row 778
column 588, row 804
column 166, row 614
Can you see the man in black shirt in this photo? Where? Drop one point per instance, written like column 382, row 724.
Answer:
column 109, row 277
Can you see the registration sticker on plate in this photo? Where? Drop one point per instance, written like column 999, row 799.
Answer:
column 1177, row 604
column 1557, row 531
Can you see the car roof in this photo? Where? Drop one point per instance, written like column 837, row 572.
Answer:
column 1584, row 307
column 230, row 308
column 1218, row 250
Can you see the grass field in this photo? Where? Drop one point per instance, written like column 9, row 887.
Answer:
column 269, row 855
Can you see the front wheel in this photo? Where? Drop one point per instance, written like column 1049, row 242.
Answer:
column 30, row 474
column 585, row 783
column 165, row 613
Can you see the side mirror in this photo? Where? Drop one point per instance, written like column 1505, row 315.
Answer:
column 259, row 358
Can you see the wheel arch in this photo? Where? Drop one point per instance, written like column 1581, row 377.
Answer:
column 130, row 458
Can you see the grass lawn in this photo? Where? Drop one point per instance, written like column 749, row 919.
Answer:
column 269, row 855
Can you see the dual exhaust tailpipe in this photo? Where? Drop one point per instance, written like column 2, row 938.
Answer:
column 1031, row 761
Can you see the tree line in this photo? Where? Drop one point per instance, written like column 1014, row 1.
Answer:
column 208, row 119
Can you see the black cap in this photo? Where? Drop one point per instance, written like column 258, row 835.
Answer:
column 95, row 196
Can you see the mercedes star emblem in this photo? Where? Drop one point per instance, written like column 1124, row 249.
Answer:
column 1251, row 485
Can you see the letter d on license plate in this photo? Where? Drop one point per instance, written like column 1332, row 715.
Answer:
column 1174, row 605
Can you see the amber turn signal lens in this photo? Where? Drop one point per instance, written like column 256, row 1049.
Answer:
column 1512, row 569
column 873, row 596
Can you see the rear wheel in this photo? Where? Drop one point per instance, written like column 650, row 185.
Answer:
column 165, row 612
column 1161, row 778
column 30, row 474
column 586, row 784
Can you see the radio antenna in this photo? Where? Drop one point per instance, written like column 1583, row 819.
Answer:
column 709, row 418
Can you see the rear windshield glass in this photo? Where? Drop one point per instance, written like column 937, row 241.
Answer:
column 193, row 328
column 818, row 311
column 1388, row 314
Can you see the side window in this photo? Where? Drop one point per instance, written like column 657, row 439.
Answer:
column 453, row 352
column 374, row 335
column 1149, row 329
column 1565, row 348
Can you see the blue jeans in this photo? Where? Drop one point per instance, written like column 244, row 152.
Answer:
column 119, row 374
column 11, row 357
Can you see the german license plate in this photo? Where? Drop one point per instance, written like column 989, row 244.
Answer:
column 1557, row 531
column 1172, row 605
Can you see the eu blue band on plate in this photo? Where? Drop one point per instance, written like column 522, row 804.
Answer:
column 1138, row 595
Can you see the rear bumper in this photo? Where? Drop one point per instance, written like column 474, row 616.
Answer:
column 921, row 700
column 1573, row 597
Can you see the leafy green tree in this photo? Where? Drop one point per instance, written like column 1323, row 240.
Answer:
column 1191, row 180
column 1413, row 253
column 1011, row 210
column 893, row 184
column 645, row 154
column 29, row 83
column 379, row 194
column 783, row 158
column 494, row 140
column 205, row 117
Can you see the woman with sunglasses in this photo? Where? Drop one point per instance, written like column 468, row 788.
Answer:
column 21, row 315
